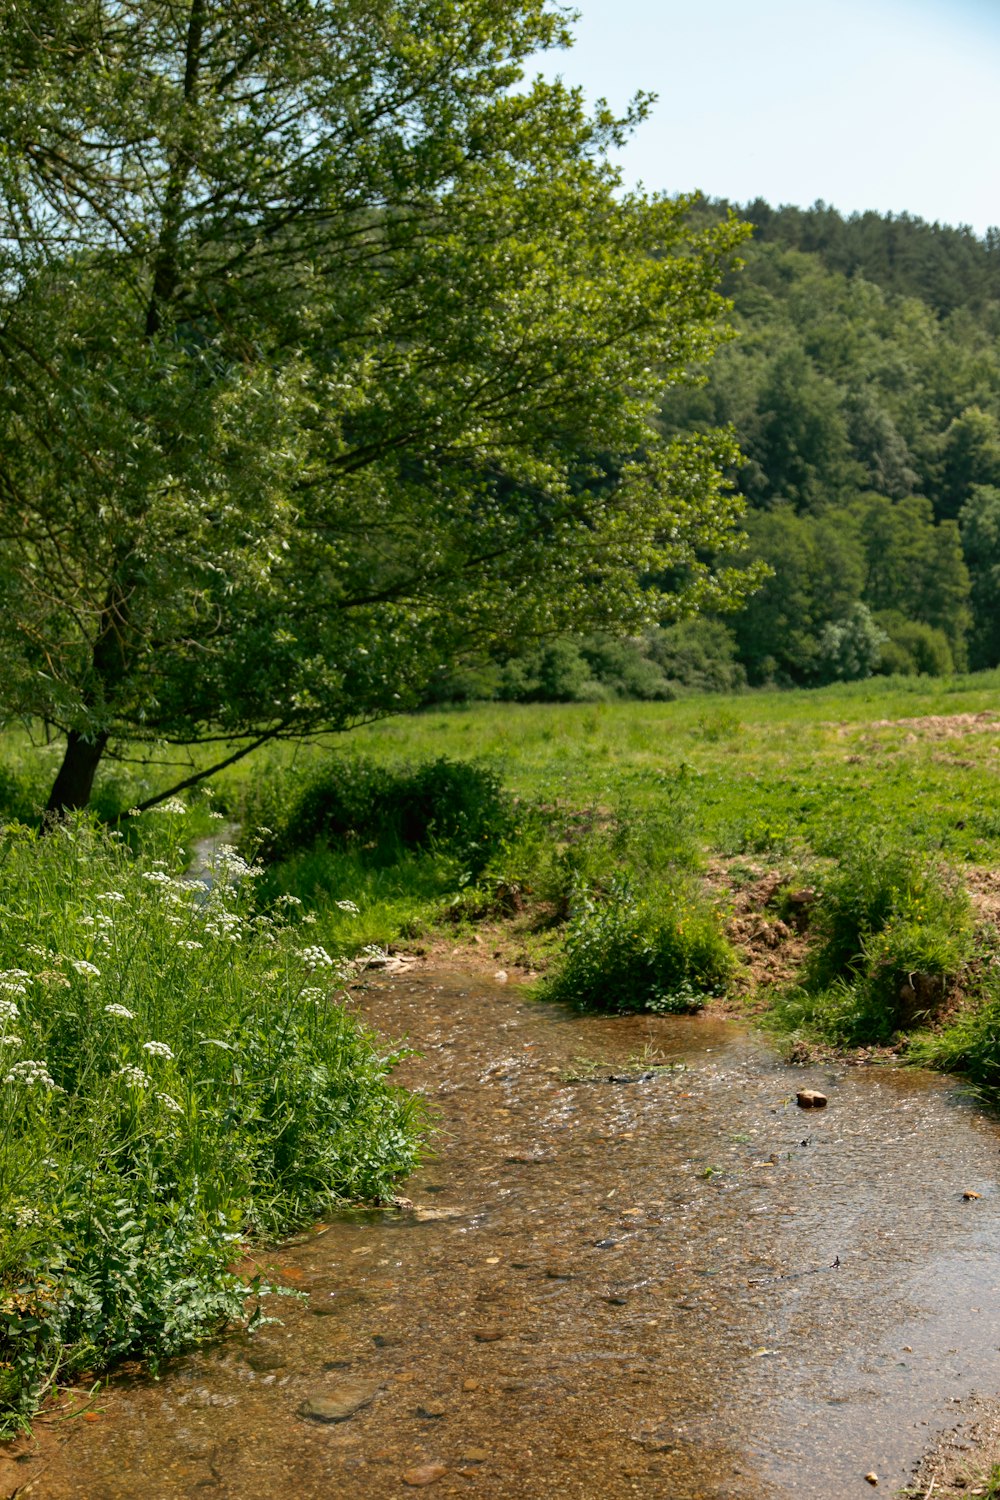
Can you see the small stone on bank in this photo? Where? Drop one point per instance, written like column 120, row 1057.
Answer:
column 810, row 1099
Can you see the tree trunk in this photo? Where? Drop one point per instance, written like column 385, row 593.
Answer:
column 75, row 780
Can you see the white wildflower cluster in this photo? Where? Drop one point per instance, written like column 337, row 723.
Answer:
column 189, row 944
column 316, row 957
column 312, row 995
column 224, row 924
column 12, row 981
column 110, row 896
column 31, row 1071
column 219, row 817
column 36, row 950
column 170, row 1103
column 8, row 1011
column 24, row 1216
column 121, row 1011
column 156, row 877
column 157, row 1049
column 100, row 919
column 231, row 866
column 172, row 805
column 134, row 1078
column 287, row 899
column 10, row 1040
column 349, row 906
column 82, row 966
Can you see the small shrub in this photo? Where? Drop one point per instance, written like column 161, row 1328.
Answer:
column 662, row 951
column 892, row 930
column 451, row 806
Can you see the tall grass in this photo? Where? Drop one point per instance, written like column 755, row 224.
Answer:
column 177, row 1074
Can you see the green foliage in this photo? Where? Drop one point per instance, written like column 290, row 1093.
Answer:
column 891, row 930
column 178, row 1074
column 850, row 648
column 912, row 648
column 282, row 430
column 660, row 951
column 453, row 807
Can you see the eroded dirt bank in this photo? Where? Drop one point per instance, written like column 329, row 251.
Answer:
column 617, row 1278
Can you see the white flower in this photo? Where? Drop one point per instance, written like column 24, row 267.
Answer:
column 317, row 958
column 8, row 1011
column 111, row 896
column 172, row 805
column 119, row 1010
column 135, row 1078
column 350, row 906
column 189, row 944
column 30, row 1071
column 83, row 967
column 220, row 817
column 156, row 877
column 157, row 1049
column 285, row 899
column 170, row 1103
column 23, row 1216
column 10, row 1041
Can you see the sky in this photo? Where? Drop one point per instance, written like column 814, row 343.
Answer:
column 890, row 105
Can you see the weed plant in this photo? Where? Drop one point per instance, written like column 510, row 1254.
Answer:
column 660, row 951
column 892, row 928
column 454, row 807
column 177, row 1074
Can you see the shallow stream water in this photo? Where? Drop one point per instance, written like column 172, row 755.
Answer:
column 663, row 1281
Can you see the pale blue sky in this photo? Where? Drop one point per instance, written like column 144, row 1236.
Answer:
column 892, row 105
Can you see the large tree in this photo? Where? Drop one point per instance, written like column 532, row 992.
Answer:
column 329, row 349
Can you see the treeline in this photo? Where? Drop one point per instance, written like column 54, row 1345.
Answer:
column 863, row 385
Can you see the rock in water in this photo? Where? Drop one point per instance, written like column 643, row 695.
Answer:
column 810, row 1099
column 338, row 1404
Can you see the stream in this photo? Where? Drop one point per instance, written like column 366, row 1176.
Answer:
column 668, row 1281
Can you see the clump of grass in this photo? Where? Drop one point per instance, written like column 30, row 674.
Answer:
column 662, row 951
column 176, row 1074
column 449, row 806
column 892, row 928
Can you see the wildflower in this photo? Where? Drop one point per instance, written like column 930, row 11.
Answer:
column 350, row 906
column 172, row 805
column 31, row 1071
column 220, row 817
column 286, row 899
column 8, row 1011
column 157, row 1049
column 111, row 896
column 189, row 944
column 83, row 967
column 156, row 877
column 316, row 958
column 23, row 1216
column 170, row 1103
column 119, row 1010
column 135, row 1078
column 310, row 993
column 10, row 1041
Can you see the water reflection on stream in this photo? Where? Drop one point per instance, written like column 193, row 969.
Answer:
column 624, row 1285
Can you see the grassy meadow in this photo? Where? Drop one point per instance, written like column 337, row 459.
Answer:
column 181, row 1076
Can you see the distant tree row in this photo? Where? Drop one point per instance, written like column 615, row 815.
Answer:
column 863, row 386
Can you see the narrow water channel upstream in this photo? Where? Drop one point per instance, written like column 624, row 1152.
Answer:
column 670, row 1282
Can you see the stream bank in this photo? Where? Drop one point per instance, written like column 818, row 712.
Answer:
column 634, row 1265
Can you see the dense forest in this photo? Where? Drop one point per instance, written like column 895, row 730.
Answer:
column 863, row 385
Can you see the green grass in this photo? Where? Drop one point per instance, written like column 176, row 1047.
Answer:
column 177, row 1075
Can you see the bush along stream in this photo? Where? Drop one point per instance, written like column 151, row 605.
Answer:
column 178, row 1076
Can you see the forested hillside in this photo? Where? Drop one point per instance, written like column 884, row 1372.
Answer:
column 863, row 384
